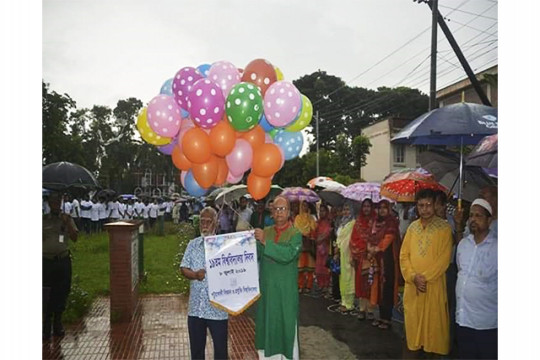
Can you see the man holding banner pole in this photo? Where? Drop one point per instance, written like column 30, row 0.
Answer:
column 276, row 321
column 201, row 313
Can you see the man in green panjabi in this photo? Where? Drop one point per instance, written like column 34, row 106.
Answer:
column 276, row 322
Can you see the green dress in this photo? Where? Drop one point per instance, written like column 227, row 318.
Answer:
column 276, row 321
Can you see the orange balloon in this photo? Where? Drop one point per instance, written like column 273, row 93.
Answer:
column 222, row 138
column 261, row 73
column 196, row 146
column 179, row 159
column 266, row 160
column 205, row 174
column 255, row 136
column 223, row 170
column 258, row 186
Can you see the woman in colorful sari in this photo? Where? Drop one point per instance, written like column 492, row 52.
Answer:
column 346, row 276
column 365, row 271
column 384, row 248
column 322, row 236
column 305, row 223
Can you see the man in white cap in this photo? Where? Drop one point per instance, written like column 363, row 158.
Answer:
column 476, row 289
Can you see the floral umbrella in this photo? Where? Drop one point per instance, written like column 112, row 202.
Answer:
column 402, row 185
column 300, row 194
column 363, row 190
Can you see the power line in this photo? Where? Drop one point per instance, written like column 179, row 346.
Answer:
column 470, row 27
column 467, row 12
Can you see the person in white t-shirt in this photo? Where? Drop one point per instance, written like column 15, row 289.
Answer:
column 103, row 213
column 138, row 209
column 114, row 213
column 76, row 212
column 168, row 210
column 153, row 210
column 145, row 209
column 94, row 215
column 66, row 205
column 129, row 210
column 86, row 207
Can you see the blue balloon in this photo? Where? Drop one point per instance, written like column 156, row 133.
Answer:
column 290, row 142
column 185, row 114
column 265, row 124
column 166, row 88
column 203, row 69
column 192, row 187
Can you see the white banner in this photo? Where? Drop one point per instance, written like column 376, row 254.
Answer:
column 232, row 270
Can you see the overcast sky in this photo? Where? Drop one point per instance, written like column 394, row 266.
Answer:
column 102, row 51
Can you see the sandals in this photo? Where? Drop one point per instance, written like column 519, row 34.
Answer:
column 384, row 325
column 361, row 315
column 376, row 323
column 370, row 316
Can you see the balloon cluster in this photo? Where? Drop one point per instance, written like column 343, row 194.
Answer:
column 217, row 122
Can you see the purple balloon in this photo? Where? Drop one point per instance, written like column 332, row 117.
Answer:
column 225, row 74
column 182, row 84
column 164, row 116
column 282, row 102
column 168, row 148
column 206, row 103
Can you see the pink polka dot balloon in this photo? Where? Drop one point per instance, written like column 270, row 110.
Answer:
column 164, row 116
column 183, row 82
column 281, row 103
column 206, row 103
column 224, row 74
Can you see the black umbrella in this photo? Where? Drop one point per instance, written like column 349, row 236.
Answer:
column 64, row 175
column 453, row 125
column 485, row 154
column 444, row 166
column 332, row 197
column 108, row 194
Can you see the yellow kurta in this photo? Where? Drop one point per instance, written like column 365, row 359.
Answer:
column 426, row 251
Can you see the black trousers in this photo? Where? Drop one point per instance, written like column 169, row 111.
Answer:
column 476, row 344
column 57, row 277
column 197, row 337
column 387, row 302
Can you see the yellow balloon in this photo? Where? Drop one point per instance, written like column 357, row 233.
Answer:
column 305, row 116
column 279, row 74
column 147, row 133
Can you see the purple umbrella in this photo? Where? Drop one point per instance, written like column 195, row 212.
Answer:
column 363, row 190
column 300, row 194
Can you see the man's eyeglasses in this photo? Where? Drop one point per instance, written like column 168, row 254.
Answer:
column 280, row 208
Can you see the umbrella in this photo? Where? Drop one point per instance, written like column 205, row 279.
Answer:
column 362, row 190
column 402, row 185
column 332, row 197
column 300, row 194
column 485, row 153
column 326, row 184
column 444, row 166
column 452, row 125
column 214, row 193
column 316, row 180
column 64, row 175
column 235, row 192
column 106, row 193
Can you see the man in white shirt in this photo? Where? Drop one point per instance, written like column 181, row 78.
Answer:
column 94, row 215
column 128, row 210
column 76, row 211
column 114, row 210
column 153, row 209
column 66, row 205
column 244, row 216
column 86, row 207
column 103, row 213
column 476, row 289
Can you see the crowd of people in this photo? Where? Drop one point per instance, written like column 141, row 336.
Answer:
column 360, row 254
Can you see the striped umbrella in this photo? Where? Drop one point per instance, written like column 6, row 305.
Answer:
column 402, row 185
column 300, row 194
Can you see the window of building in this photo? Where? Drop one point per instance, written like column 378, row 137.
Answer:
column 399, row 153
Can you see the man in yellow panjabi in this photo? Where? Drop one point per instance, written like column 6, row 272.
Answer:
column 424, row 258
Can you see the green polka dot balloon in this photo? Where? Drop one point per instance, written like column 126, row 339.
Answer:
column 244, row 106
column 306, row 114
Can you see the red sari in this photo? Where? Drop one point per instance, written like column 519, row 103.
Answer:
column 359, row 239
column 322, row 236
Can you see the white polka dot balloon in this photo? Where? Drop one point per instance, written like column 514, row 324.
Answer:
column 290, row 142
column 183, row 82
column 206, row 103
column 164, row 116
column 225, row 74
column 282, row 103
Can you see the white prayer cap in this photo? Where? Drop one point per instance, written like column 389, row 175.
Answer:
column 483, row 203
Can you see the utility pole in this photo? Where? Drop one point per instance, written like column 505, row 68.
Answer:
column 433, row 77
column 317, row 130
column 466, row 67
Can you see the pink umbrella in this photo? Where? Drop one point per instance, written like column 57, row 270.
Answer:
column 300, row 194
column 363, row 190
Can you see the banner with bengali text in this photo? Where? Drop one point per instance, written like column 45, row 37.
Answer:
column 232, row 270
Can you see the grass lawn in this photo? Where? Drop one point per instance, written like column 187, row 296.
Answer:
column 162, row 256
